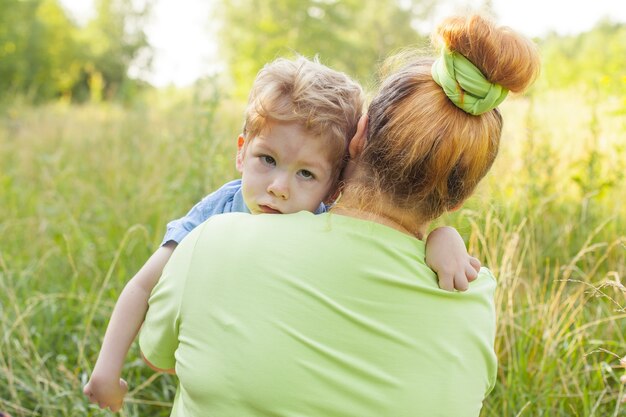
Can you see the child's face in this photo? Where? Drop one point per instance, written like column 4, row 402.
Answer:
column 285, row 169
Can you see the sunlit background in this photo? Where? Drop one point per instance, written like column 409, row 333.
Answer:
column 116, row 116
column 186, row 46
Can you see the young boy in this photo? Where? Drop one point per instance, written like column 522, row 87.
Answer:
column 299, row 119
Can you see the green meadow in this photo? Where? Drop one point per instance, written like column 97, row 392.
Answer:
column 86, row 192
column 94, row 163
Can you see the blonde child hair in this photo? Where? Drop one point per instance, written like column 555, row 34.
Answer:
column 326, row 102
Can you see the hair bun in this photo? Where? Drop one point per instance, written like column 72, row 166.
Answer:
column 504, row 56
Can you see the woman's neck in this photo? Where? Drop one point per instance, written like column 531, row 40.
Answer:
column 376, row 210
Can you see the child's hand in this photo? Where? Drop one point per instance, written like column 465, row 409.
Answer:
column 447, row 256
column 106, row 392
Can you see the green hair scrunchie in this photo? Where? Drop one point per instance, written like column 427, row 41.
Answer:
column 465, row 85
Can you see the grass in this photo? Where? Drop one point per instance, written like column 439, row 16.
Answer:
column 86, row 192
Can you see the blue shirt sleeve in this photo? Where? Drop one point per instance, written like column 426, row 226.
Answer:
column 323, row 208
column 226, row 199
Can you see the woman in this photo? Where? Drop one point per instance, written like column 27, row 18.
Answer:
column 335, row 315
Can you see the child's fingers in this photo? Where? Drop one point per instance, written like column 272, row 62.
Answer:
column 90, row 395
column 470, row 273
column 460, row 282
column 446, row 281
column 475, row 263
column 117, row 407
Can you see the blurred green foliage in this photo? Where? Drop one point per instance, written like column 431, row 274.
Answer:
column 350, row 35
column 355, row 36
column 45, row 55
column 595, row 60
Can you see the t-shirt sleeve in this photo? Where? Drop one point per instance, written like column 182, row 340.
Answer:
column 218, row 202
column 158, row 339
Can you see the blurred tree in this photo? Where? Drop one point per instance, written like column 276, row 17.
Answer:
column 38, row 50
column 45, row 55
column 114, row 41
column 349, row 35
column 54, row 53
column 11, row 41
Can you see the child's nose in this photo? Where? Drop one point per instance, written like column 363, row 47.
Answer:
column 279, row 187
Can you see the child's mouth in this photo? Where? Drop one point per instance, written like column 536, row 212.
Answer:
column 269, row 210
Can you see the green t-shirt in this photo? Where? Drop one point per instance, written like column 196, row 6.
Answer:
column 318, row 316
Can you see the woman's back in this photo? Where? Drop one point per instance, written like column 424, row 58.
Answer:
column 303, row 315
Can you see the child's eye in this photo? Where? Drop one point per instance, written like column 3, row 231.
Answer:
column 268, row 160
column 306, row 174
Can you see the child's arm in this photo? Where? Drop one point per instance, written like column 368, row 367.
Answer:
column 447, row 256
column 105, row 387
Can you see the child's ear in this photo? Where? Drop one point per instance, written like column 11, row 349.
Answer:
column 358, row 141
column 240, row 150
